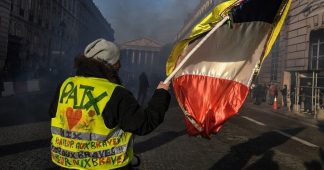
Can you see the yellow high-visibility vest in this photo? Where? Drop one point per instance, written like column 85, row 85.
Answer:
column 80, row 138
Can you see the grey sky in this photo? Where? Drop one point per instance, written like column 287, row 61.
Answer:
column 156, row 19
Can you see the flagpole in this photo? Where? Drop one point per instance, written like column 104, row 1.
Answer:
column 219, row 24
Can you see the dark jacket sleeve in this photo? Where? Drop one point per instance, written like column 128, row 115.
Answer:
column 124, row 111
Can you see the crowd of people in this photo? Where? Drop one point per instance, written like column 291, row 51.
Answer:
column 268, row 93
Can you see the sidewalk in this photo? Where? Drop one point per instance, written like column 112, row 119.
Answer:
column 25, row 108
column 30, row 98
column 302, row 117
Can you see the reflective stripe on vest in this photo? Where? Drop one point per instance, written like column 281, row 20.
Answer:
column 97, row 154
column 85, row 135
column 80, row 139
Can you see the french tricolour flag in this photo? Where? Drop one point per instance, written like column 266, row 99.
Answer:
column 213, row 83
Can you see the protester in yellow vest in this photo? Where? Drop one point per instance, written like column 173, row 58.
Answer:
column 94, row 117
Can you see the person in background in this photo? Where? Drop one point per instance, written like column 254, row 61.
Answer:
column 273, row 92
column 321, row 99
column 143, row 86
column 292, row 98
column 257, row 92
column 264, row 92
column 94, row 117
column 308, row 98
column 268, row 93
column 284, row 95
column 252, row 89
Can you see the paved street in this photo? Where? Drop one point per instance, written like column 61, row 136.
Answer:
column 241, row 144
column 211, row 50
column 254, row 139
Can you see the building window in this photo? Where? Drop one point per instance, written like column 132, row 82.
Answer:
column 274, row 68
column 133, row 57
column 152, row 57
column 21, row 12
column 139, row 57
column 31, row 17
column 136, row 56
column 40, row 22
column 317, row 50
column 274, row 61
column 317, row 56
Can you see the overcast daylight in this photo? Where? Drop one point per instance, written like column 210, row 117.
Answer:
column 156, row 19
column 130, row 85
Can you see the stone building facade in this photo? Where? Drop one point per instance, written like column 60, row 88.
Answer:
column 298, row 56
column 4, row 26
column 138, row 56
column 45, row 36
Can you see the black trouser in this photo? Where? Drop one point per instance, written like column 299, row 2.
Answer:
column 285, row 100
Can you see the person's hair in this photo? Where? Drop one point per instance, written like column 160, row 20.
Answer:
column 106, row 70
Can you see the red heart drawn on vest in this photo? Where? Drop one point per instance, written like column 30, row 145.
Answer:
column 73, row 117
